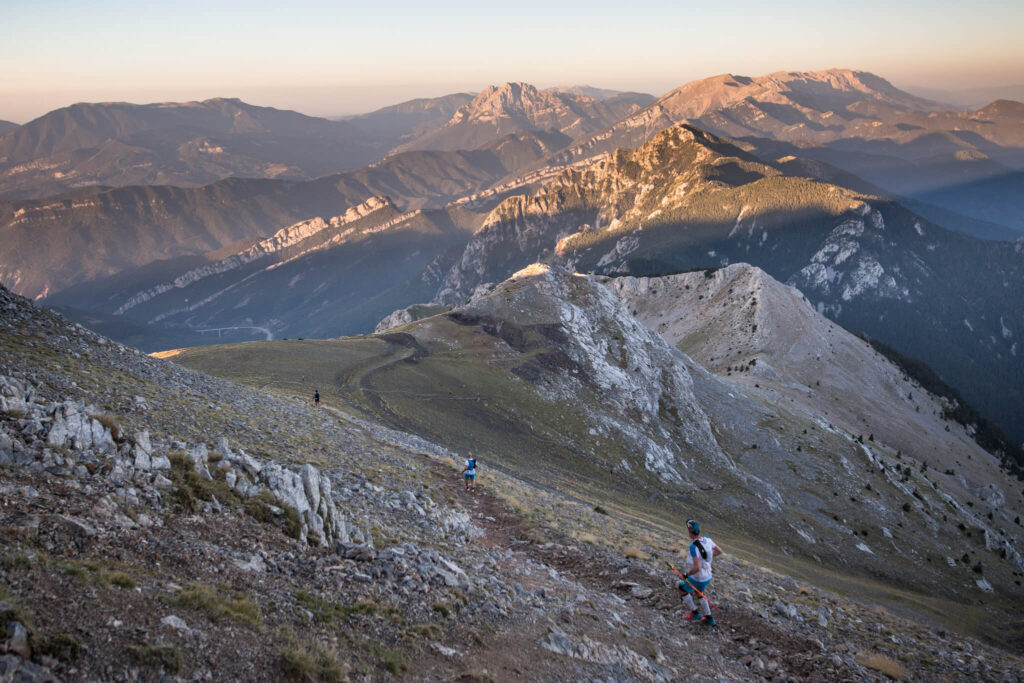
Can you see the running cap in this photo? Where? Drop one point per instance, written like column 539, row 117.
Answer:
column 693, row 526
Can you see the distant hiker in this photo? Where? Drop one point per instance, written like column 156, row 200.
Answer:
column 316, row 398
column 702, row 551
column 469, row 473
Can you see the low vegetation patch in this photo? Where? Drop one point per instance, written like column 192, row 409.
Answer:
column 12, row 612
column 60, row 646
column 886, row 665
column 395, row 661
column 325, row 611
column 111, row 422
column 16, row 562
column 165, row 656
column 219, row 604
column 636, row 554
column 309, row 661
column 98, row 573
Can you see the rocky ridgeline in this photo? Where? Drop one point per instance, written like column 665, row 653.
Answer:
column 70, row 438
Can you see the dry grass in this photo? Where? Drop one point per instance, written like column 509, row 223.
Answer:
column 886, row 665
column 111, row 422
column 636, row 554
column 587, row 538
column 219, row 604
column 310, row 661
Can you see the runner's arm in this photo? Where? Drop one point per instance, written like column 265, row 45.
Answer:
column 716, row 552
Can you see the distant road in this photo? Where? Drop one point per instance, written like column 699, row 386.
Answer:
column 218, row 330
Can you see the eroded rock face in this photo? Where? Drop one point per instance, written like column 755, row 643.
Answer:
column 592, row 338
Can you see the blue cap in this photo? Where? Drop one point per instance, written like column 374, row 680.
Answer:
column 693, row 526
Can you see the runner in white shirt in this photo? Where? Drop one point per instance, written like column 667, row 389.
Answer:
column 702, row 553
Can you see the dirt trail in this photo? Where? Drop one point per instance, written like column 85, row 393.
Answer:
column 657, row 618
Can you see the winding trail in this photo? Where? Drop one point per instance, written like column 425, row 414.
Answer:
column 264, row 330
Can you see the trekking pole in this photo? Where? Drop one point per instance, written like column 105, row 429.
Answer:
column 690, row 584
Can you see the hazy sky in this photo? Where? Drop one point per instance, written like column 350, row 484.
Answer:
column 329, row 58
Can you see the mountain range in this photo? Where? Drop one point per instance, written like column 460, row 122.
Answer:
column 858, row 122
column 193, row 143
column 687, row 199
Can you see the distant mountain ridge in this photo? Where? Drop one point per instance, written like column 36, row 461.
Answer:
column 517, row 107
column 172, row 143
column 48, row 245
column 194, row 143
column 409, row 119
column 856, row 121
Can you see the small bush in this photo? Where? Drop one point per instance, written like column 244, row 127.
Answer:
column 635, row 554
column 17, row 562
column 442, row 609
column 886, row 665
column 121, row 580
column 218, row 605
column 311, row 662
column 600, row 510
column 327, row 612
column 59, row 646
column 165, row 656
column 395, row 661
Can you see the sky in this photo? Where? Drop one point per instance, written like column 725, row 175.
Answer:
column 333, row 58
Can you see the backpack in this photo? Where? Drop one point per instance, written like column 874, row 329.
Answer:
column 471, row 464
column 700, row 549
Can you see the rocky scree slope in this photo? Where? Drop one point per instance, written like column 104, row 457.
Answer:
column 171, row 557
column 687, row 200
column 136, row 550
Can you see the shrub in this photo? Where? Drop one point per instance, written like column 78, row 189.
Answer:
column 218, row 605
column 17, row 562
column 121, row 580
column 165, row 656
column 311, row 662
column 59, row 646
column 395, row 661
